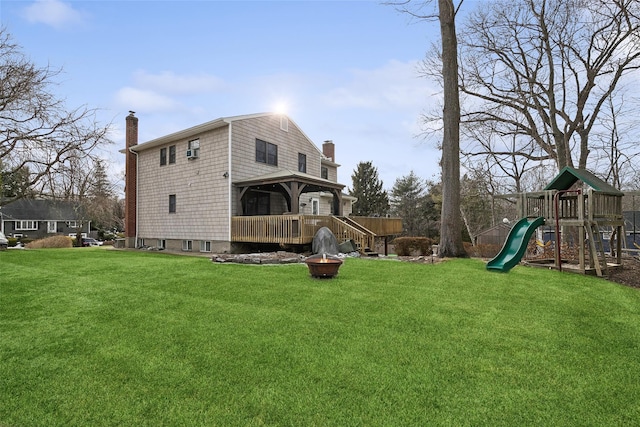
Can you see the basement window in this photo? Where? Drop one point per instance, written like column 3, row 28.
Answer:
column 187, row 245
column 205, row 246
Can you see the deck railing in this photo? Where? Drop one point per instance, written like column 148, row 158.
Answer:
column 588, row 205
column 300, row 229
column 381, row 226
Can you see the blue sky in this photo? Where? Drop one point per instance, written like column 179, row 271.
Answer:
column 344, row 70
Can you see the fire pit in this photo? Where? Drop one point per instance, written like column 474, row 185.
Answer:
column 323, row 266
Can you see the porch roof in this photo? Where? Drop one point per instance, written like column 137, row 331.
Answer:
column 287, row 175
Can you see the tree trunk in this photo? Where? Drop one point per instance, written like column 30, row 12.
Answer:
column 450, row 228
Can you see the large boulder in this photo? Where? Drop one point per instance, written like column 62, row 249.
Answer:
column 324, row 242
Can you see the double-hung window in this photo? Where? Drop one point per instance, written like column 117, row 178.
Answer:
column 172, row 154
column 172, row 203
column 324, row 172
column 302, row 163
column 266, row 152
column 163, row 156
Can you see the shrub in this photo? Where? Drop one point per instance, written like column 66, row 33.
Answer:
column 51, row 242
column 405, row 246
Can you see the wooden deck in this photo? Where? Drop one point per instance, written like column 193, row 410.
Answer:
column 300, row 229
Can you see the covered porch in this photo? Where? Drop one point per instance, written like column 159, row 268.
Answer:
column 281, row 193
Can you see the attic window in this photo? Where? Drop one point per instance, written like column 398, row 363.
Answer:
column 284, row 123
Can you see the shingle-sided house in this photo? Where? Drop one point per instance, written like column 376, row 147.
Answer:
column 253, row 178
column 39, row 218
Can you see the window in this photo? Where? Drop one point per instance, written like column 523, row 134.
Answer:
column 163, row 156
column 26, row 225
column 72, row 224
column 302, row 162
column 172, row 154
column 52, row 227
column 193, row 148
column 315, row 207
column 324, row 172
column 266, row 152
column 205, row 246
column 161, row 244
column 257, row 203
column 187, row 245
column 172, row 203
column 284, row 123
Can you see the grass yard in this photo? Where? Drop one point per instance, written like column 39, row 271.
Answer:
column 98, row 337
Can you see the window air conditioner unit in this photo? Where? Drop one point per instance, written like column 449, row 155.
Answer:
column 191, row 154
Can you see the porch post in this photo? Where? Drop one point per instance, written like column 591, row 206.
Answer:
column 240, row 193
column 295, row 198
column 337, row 198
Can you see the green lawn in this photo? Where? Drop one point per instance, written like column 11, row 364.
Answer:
column 94, row 337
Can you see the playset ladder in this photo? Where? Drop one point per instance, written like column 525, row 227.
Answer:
column 598, row 257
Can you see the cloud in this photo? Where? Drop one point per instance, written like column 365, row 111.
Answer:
column 396, row 85
column 172, row 83
column 144, row 100
column 54, row 13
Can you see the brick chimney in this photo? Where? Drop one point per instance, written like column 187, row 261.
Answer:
column 329, row 150
column 130, row 186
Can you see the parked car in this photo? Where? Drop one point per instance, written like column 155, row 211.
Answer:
column 4, row 243
column 88, row 241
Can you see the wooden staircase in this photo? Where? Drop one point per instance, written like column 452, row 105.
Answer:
column 344, row 228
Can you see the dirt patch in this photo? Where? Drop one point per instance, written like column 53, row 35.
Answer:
column 629, row 274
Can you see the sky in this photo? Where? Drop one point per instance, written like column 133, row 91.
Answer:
column 346, row 71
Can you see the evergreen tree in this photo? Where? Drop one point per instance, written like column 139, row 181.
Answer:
column 101, row 203
column 410, row 202
column 373, row 200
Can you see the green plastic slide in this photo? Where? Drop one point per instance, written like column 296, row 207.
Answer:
column 516, row 245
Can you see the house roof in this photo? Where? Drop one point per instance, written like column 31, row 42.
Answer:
column 205, row 127
column 569, row 176
column 287, row 175
column 39, row 210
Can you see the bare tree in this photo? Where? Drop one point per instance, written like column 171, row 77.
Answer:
column 541, row 70
column 39, row 134
column 451, row 220
column 616, row 143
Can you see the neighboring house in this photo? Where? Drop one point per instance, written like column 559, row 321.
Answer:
column 38, row 218
column 244, row 179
